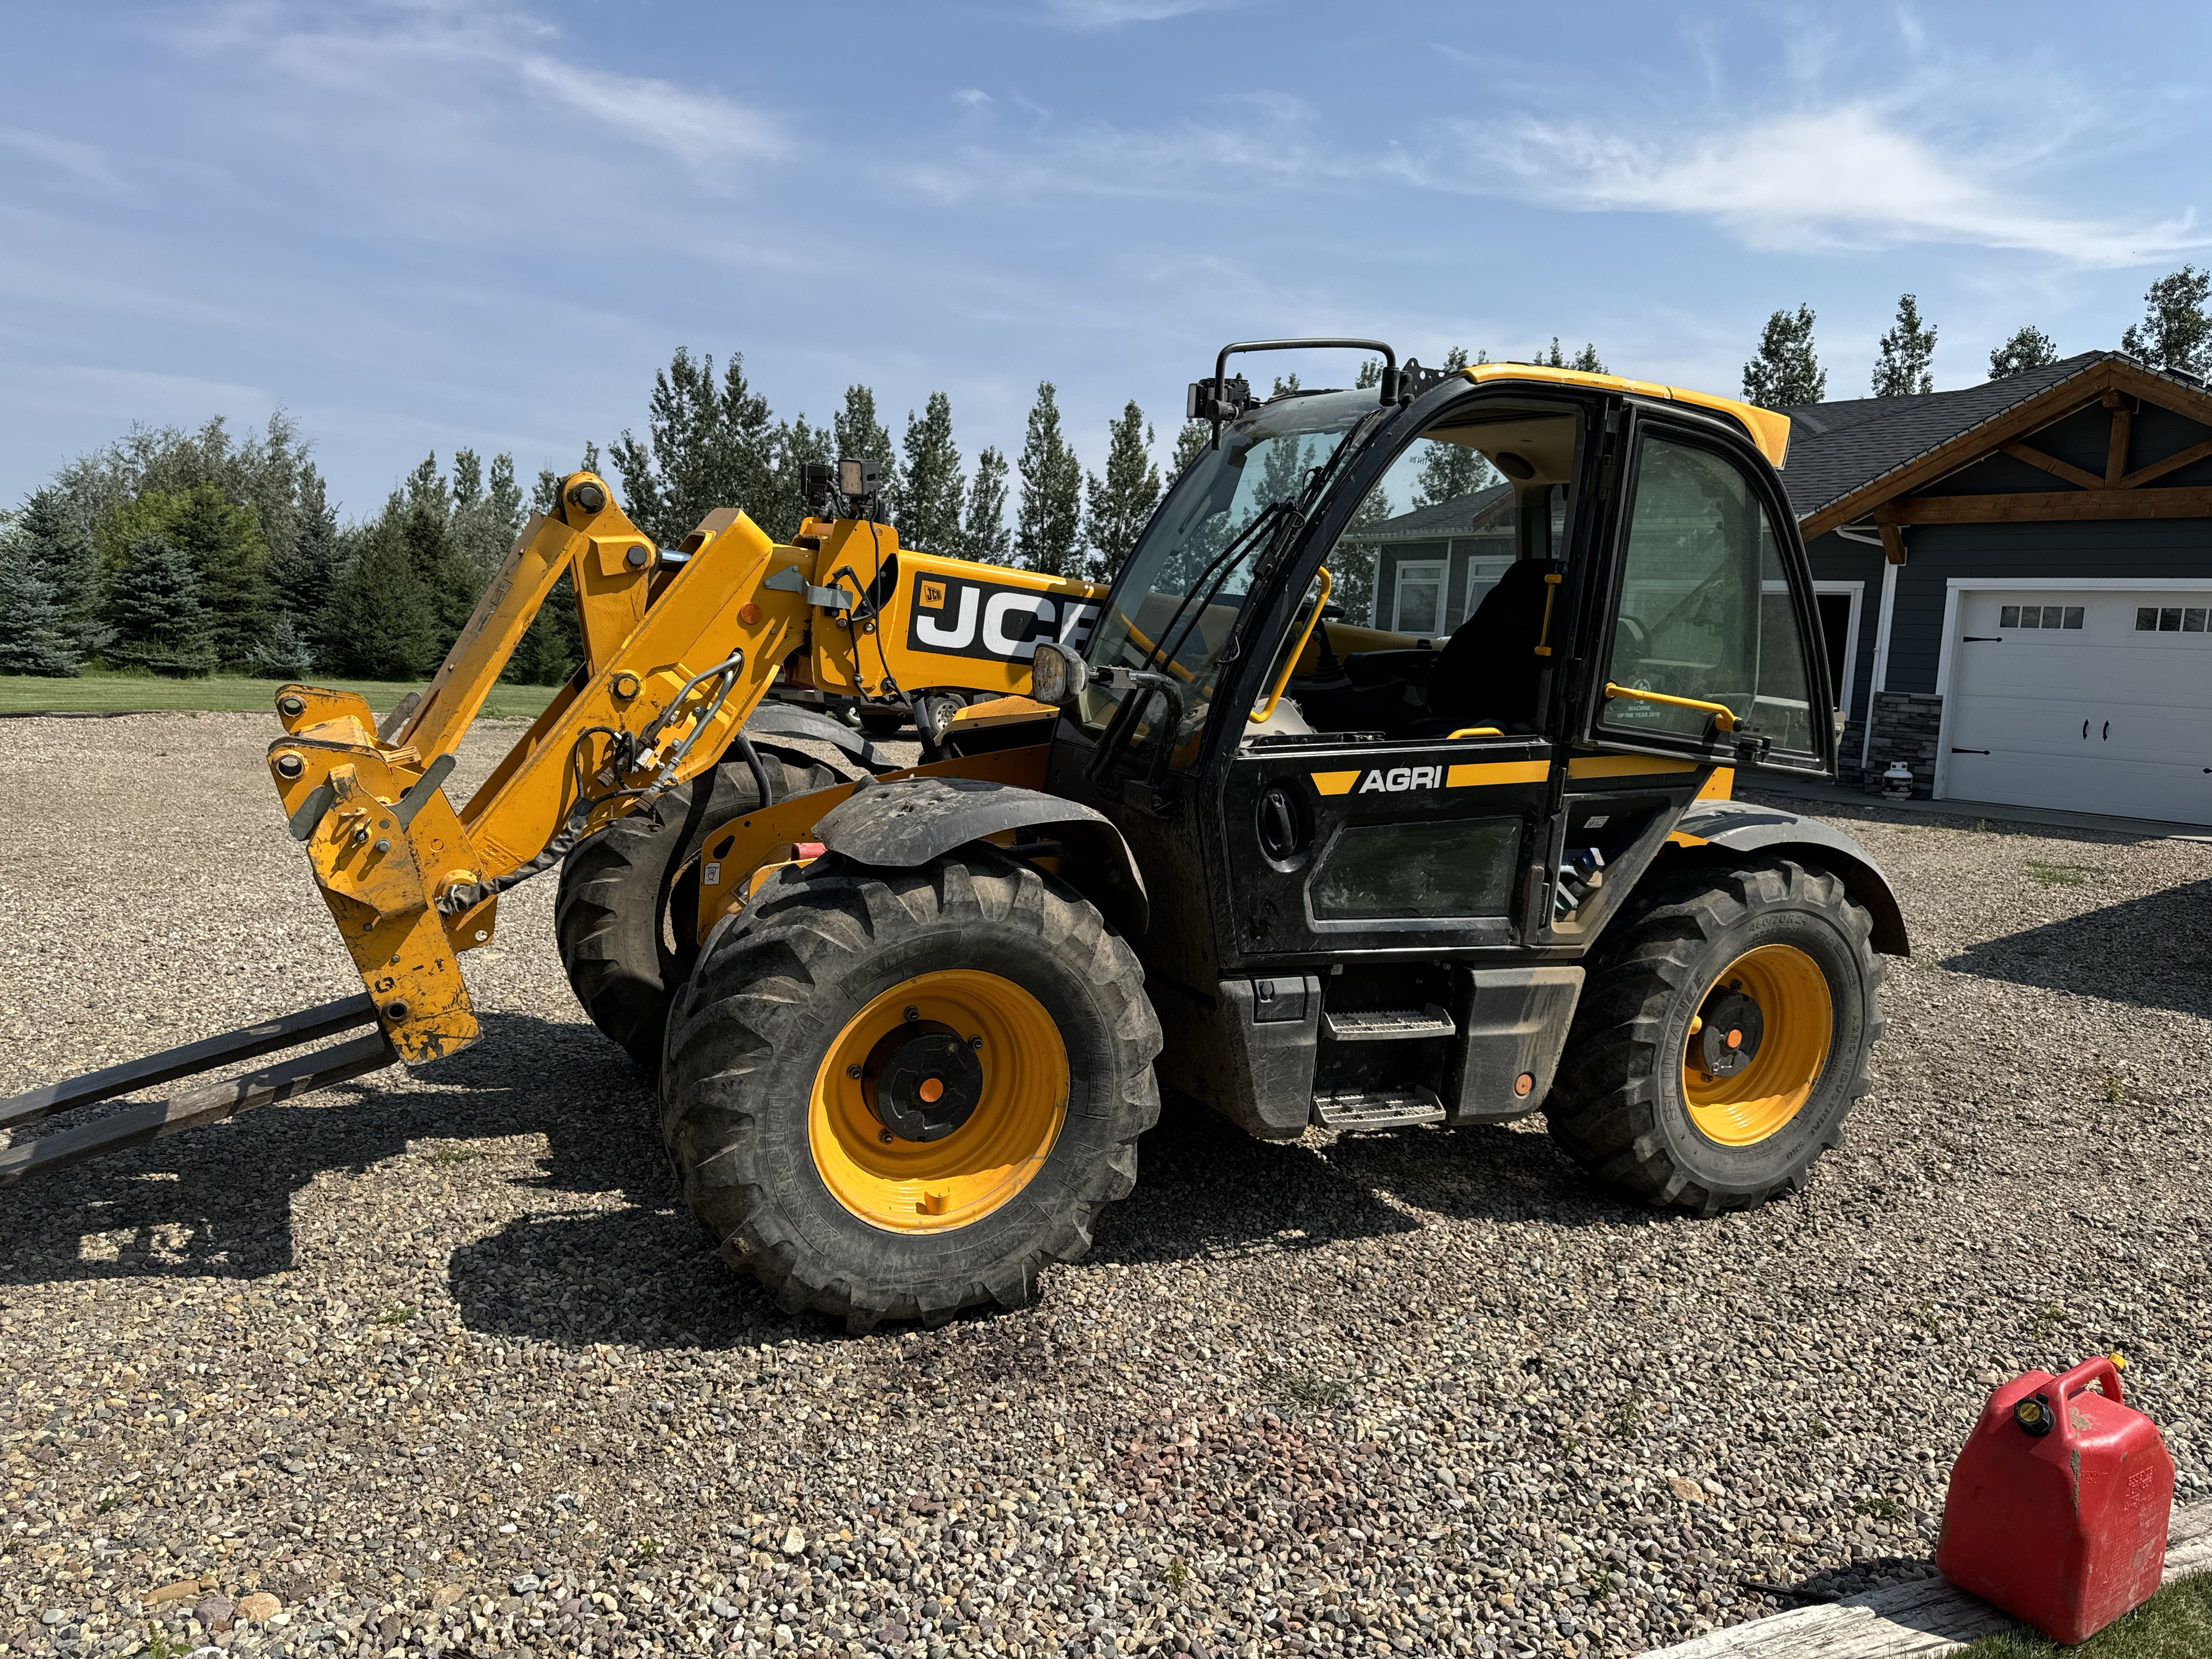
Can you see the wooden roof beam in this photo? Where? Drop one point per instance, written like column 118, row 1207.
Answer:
column 2116, row 449
column 2079, row 477
column 2173, row 463
column 2048, row 506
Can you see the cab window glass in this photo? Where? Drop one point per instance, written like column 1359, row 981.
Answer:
column 1704, row 608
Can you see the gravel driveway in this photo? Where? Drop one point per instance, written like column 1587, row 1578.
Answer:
column 436, row 1360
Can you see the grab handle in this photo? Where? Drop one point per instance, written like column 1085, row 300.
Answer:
column 1291, row 661
column 2098, row 1368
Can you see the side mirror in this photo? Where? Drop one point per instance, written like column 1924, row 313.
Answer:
column 1057, row 674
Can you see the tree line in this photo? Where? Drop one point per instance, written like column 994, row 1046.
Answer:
column 2175, row 333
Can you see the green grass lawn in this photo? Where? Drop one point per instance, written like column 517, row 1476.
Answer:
column 2174, row 1624
column 108, row 693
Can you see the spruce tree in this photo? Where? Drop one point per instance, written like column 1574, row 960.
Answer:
column 230, row 561
column 983, row 534
column 1786, row 371
column 861, row 436
column 34, row 637
column 57, row 549
column 2176, row 331
column 551, row 648
column 154, row 605
column 425, row 510
column 1586, row 361
column 1122, row 502
column 707, row 445
column 2029, row 348
column 305, row 576
column 384, row 617
column 1902, row 369
column 931, row 487
column 486, row 516
column 1050, row 517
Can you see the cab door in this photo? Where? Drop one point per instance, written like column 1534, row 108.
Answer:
column 1709, row 651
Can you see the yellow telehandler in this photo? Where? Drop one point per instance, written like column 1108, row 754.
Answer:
column 1471, row 856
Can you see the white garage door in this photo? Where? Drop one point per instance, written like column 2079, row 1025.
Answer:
column 2087, row 701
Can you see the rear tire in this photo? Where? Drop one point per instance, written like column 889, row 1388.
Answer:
column 1774, row 953
column 624, row 916
column 803, row 1181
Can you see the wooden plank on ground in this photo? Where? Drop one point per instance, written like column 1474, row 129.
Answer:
column 1909, row 1621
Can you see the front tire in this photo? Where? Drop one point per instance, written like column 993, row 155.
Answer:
column 894, row 1095
column 1722, row 1038
column 629, row 895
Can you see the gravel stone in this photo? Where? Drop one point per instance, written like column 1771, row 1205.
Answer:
column 397, row 1355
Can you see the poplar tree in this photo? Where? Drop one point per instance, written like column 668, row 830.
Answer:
column 1050, row 519
column 1122, row 502
column 796, row 444
column 2176, row 333
column 1586, row 361
column 2029, row 348
column 861, row 436
column 1449, row 471
column 931, row 489
column 1190, row 443
column 706, row 445
column 983, row 534
column 154, row 608
column 1786, row 371
column 1907, row 350
column 34, row 629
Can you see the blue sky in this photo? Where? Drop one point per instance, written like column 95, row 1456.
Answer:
column 423, row 225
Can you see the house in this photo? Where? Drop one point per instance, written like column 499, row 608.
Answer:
column 1433, row 565
column 2015, row 582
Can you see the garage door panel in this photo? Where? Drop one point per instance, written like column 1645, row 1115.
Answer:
column 2089, row 713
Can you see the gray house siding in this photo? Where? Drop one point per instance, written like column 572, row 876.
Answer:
column 1835, row 560
column 2150, row 548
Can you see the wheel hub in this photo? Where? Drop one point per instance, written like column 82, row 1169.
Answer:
column 923, row 1080
column 1733, row 1028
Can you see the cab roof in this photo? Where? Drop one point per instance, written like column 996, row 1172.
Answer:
column 1769, row 429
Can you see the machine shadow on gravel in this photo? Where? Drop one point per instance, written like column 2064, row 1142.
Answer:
column 217, row 1203
column 2153, row 952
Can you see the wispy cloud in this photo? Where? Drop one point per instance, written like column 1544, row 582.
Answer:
column 1845, row 175
column 1106, row 14
column 1264, row 139
column 80, row 160
column 700, row 128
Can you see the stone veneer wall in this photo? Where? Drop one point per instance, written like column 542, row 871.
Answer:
column 1906, row 727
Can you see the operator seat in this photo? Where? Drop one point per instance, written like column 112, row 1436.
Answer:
column 1486, row 672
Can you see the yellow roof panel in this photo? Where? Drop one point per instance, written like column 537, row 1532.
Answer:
column 1769, row 429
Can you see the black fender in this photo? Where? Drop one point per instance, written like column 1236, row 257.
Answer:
column 907, row 822
column 1743, row 828
column 788, row 719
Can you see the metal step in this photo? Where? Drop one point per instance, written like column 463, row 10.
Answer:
column 1388, row 1024
column 1392, row 1109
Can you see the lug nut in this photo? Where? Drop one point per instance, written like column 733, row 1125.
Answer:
column 975, row 1042
column 852, row 1071
column 291, row 708
column 914, row 1013
column 289, row 766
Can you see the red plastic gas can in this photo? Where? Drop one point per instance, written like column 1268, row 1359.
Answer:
column 2059, row 1504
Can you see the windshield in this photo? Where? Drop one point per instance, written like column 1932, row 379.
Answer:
column 1178, row 597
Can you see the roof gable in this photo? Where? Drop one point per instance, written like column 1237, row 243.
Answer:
column 1849, row 459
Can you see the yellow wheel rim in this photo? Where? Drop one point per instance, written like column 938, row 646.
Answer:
column 1773, row 1002
column 910, row 1064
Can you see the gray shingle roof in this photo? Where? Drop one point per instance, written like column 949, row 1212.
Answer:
column 1837, row 447
column 1459, row 516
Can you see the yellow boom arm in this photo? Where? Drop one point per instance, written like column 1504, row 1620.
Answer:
column 678, row 650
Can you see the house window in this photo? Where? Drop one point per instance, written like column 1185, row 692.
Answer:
column 2039, row 616
column 2171, row 619
column 1420, row 598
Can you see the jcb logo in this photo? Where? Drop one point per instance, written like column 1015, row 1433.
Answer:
column 960, row 618
column 1402, row 777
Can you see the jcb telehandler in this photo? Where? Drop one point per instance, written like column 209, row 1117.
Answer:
column 1308, row 867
